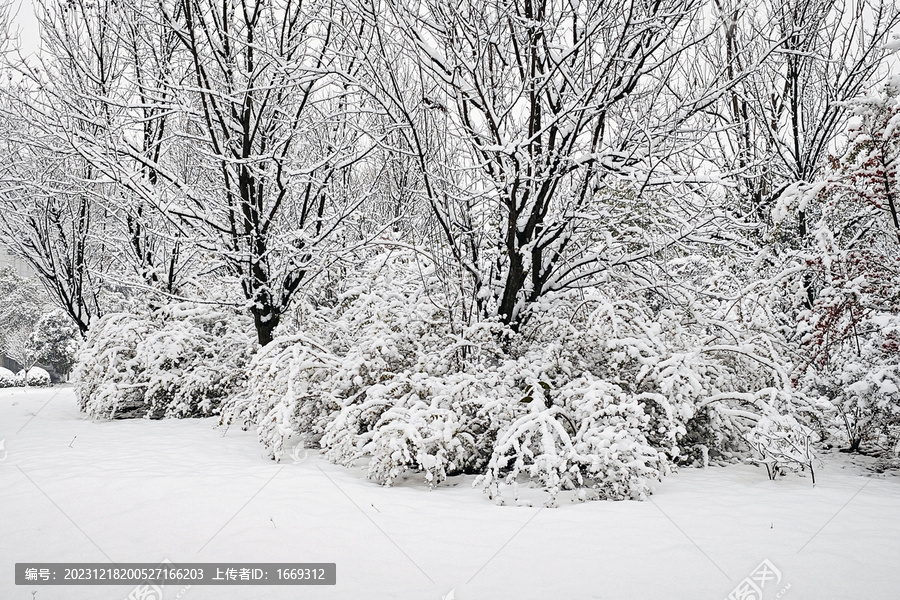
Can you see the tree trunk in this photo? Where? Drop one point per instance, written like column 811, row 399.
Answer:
column 266, row 321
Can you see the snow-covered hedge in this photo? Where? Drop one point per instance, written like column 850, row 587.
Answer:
column 386, row 379
column 8, row 378
column 592, row 394
column 36, row 376
column 181, row 361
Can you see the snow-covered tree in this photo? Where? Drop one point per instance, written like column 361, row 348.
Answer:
column 796, row 63
column 185, row 138
column 271, row 135
column 55, row 339
column 53, row 211
column 850, row 331
column 22, row 304
column 546, row 132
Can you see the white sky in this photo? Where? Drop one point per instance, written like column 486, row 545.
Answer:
column 25, row 27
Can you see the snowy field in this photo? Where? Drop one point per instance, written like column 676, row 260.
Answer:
column 187, row 490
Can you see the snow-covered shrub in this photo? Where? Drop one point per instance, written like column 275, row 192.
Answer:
column 181, row 361
column 108, row 376
column 782, row 443
column 703, row 385
column 8, row 378
column 285, row 396
column 592, row 436
column 415, row 394
column 863, row 383
column 592, row 394
column 35, row 376
column 850, row 339
column 195, row 360
column 381, row 376
column 437, row 425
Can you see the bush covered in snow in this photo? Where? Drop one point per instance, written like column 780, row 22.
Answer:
column 35, row 376
column 591, row 394
column 180, row 361
column 384, row 377
column 593, row 437
column 862, row 380
column 7, row 378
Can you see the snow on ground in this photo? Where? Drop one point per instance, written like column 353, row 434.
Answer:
column 187, row 490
